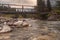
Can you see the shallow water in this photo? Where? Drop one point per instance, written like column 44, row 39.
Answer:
column 38, row 29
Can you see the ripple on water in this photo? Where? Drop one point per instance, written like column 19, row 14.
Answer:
column 32, row 33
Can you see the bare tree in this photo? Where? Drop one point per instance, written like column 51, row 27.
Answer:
column 49, row 5
column 40, row 5
column 40, row 9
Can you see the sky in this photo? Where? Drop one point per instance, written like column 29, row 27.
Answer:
column 25, row 2
column 19, row 2
column 53, row 2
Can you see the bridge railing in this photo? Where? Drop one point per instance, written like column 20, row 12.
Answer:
column 20, row 8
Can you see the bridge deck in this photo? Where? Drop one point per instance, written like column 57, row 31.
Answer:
column 16, row 12
column 22, row 9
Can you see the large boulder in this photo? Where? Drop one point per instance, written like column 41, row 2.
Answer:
column 18, row 23
column 52, row 18
column 5, row 28
column 22, row 24
column 26, row 24
column 10, row 23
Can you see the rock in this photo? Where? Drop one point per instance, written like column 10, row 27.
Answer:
column 1, row 27
column 18, row 23
column 5, row 28
column 26, row 24
column 54, row 17
column 51, row 18
column 10, row 23
column 21, row 24
column 42, row 38
column 4, row 37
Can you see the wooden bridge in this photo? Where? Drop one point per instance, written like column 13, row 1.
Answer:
column 18, row 8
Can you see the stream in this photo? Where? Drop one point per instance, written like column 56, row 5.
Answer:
column 40, row 30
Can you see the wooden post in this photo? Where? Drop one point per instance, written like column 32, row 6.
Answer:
column 8, row 6
column 22, row 10
column 23, row 14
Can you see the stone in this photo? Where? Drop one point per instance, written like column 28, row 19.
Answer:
column 0, row 28
column 22, row 24
column 25, row 24
column 18, row 24
column 4, row 37
column 10, row 23
column 43, row 38
column 5, row 28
